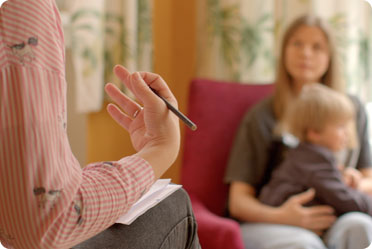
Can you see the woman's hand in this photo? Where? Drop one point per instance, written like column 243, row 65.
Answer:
column 315, row 218
column 153, row 129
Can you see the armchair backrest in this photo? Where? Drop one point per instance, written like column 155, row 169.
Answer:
column 217, row 108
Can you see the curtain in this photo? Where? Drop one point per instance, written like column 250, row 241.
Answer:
column 102, row 34
column 238, row 40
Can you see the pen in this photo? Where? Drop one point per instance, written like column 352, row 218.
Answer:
column 179, row 114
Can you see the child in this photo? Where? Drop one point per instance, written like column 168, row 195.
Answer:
column 322, row 120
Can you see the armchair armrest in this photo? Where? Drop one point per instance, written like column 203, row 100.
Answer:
column 216, row 232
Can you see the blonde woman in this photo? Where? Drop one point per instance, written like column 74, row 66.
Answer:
column 307, row 56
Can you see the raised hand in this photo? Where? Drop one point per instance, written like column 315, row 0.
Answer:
column 153, row 129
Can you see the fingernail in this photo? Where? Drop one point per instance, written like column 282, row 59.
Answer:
column 116, row 67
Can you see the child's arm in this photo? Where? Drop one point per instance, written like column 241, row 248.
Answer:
column 366, row 182
column 331, row 190
column 352, row 177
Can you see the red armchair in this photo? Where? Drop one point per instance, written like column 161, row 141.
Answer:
column 217, row 108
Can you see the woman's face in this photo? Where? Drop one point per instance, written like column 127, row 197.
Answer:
column 307, row 55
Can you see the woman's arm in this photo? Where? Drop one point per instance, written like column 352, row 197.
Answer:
column 244, row 206
column 47, row 200
column 364, row 161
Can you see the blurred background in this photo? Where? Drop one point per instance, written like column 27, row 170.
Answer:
column 232, row 40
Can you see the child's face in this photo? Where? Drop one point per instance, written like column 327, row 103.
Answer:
column 334, row 136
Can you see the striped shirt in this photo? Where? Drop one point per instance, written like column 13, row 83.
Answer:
column 46, row 199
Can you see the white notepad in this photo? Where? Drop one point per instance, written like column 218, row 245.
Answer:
column 160, row 190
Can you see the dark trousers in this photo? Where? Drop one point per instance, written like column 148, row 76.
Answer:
column 169, row 225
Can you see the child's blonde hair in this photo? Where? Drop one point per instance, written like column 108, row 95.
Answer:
column 316, row 106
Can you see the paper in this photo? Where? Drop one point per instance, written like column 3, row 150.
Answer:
column 160, row 190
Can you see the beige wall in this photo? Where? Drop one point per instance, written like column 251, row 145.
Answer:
column 174, row 53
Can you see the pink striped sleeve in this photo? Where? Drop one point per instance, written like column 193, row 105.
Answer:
column 46, row 199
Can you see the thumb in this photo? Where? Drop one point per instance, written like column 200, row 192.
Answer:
column 304, row 197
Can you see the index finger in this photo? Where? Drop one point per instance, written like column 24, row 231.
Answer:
column 135, row 83
column 321, row 210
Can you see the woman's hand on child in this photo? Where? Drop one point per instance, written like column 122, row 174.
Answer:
column 315, row 218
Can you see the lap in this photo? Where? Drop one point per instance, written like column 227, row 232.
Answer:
column 275, row 236
column 350, row 231
column 170, row 224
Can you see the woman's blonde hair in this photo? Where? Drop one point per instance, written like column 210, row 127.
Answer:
column 317, row 106
column 284, row 93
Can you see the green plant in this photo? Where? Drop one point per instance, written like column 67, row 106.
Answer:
column 253, row 39
column 223, row 23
